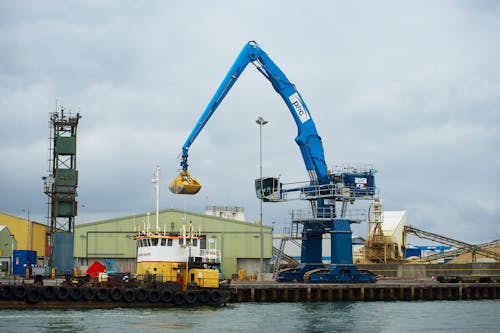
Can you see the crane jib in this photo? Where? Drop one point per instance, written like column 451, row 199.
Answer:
column 307, row 139
column 299, row 108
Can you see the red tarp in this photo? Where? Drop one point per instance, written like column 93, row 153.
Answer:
column 95, row 269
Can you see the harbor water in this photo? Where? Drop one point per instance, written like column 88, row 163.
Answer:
column 418, row 316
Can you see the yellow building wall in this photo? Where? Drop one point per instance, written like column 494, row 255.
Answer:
column 22, row 228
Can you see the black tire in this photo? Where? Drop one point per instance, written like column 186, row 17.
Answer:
column 48, row 293
column 204, row 296
column 141, row 295
column 102, row 294
column 6, row 292
column 62, row 293
column 116, row 294
column 166, row 296
column 75, row 294
column 128, row 295
column 215, row 296
column 19, row 292
column 33, row 295
column 178, row 298
column 190, row 297
column 88, row 294
column 154, row 296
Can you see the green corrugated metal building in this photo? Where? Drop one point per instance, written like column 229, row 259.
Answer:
column 238, row 242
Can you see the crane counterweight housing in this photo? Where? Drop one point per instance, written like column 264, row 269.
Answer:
column 323, row 190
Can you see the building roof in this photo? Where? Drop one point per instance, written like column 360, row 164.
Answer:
column 21, row 218
column 164, row 211
column 358, row 240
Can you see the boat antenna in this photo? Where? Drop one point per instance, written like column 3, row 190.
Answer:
column 156, row 188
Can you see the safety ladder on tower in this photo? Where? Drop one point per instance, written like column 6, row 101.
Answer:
column 289, row 234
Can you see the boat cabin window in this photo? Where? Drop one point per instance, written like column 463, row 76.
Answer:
column 148, row 242
column 155, row 241
column 181, row 241
column 195, row 242
column 169, row 242
column 163, row 242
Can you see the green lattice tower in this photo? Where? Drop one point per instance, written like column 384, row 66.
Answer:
column 61, row 187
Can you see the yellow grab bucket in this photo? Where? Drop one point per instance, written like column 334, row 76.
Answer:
column 184, row 184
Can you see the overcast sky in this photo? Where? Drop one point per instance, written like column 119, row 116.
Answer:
column 412, row 88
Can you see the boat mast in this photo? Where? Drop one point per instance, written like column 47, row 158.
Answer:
column 156, row 188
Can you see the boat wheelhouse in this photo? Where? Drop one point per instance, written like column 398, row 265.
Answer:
column 177, row 257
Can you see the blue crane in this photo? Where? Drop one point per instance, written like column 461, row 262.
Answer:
column 322, row 190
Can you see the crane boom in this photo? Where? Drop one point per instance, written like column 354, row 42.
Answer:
column 307, row 138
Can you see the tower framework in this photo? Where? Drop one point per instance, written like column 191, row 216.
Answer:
column 61, row 188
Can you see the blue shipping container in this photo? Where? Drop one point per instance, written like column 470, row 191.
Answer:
column 23, row 259
column 413, row 252
column 63, row 252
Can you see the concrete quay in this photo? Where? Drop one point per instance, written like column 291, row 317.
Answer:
column 390, row 290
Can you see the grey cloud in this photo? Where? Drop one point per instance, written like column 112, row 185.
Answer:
column 412, row 88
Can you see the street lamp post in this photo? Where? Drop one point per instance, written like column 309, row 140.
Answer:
column 12, row 254
column 261, row 123
column 29, row 241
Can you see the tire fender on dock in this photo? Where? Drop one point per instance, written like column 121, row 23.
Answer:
column 33, row 295
column 141, row 295
column 166, row 296
column 19, row 292
column 75, row 294
column 48, row 293
column 190, row 297
column 128, row 295
column 154, row 296
column 6, row 292
column 116, row 294
column 204, row 296
column 88, row 294
column 178, row 298
column 102, row 294
column 215, row 295
column 62, row 293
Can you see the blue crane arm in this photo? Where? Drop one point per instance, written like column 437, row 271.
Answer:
column 307, row 138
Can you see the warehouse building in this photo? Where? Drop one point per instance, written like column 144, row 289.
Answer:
column 237, row 241
column 17, row 233
column 26, row 235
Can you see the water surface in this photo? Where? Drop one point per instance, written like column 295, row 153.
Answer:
column 420, row 316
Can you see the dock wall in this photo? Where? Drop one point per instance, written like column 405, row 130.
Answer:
column 296, row 292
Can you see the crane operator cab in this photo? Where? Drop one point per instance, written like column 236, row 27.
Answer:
column 268, row 189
